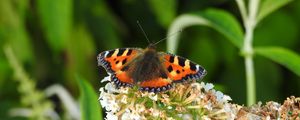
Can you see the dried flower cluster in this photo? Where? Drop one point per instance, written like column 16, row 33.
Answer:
column 184, row 101
column 290, row 110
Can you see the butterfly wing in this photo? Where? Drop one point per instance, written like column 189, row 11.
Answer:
column 114, row 62
column 180, row 69
column 158, row 84
column 177, row 69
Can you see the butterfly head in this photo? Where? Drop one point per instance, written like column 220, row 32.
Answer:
column 151, row 46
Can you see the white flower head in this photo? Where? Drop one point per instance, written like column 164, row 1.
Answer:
column 208, row 87
column 219, row 96
column 106, row 79
column 196, row 85
column 268, row 117
column 112, row 106
column 226, row 98
column 154, row 112
column 153, row 96
column 111, row 88
column 132, row 114
column 208, row 106
column 111, row 116
column 187, row 117
column 230, row 111
column 124, row 99
column 124, row 90
column 140, row 108
column 135, row 115
column 108, row 101
column 276, row 106
column 205, row 117
column 170, row 118
column 125, row 116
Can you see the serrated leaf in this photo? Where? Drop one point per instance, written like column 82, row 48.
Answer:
column 269, row 6
column 283, row 56
column 56, row 19
column 89, row 105
column 219, row 20
column 164, row 10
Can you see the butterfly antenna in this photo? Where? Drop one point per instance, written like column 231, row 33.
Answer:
column 172, row 34
column 143, row 31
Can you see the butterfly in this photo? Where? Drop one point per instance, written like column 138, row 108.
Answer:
column 150, row 70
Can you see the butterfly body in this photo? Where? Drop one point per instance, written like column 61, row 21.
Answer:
column 150, row 70
column 147, row 66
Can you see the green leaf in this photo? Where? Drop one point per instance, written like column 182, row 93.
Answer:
column 81, row 52
column 164, row 10
column 103, row 23
column 13, row 30
column 267, row 73
column 56, row 19
column 269, row 6
column 219, row 20
column 271, row 31
column 89, row 105
column 203, row 50
column 4, row 70
column 283, row 56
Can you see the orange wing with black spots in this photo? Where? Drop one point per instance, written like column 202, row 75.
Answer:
column 181, row 69
column 156, row 85
column 115, row 60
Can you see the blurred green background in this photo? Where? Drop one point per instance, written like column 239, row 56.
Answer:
column 56, row 39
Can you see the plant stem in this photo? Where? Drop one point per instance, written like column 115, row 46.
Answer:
column 250, row 75
column 249, row 20
column 242, row 8
column 250, row 24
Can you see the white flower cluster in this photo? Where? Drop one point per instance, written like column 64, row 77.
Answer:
column 228, row 110
column 132, row 104
column 114, row 99
column 220, row 96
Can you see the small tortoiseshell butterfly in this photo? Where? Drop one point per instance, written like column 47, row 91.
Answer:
column 150, row 70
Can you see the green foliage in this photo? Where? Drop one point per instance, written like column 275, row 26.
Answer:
column 56, row 18
column 220, row 20
column 226, row 24
column 13, row 31
column 282, row 56
column 81, row 49
column 89, row 104
column 270, row 33
column 30, row 96
column 104, row 25
column 269, row 74
column 165, row 10
column 269, row 6
column 210, row 53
